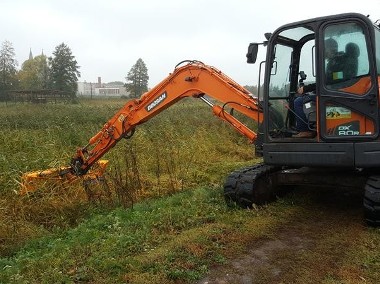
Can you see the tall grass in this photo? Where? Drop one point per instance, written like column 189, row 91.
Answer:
column 168, row 240
column 183, row 147
column 82, row 234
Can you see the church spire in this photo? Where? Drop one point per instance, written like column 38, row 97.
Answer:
column 30, row 54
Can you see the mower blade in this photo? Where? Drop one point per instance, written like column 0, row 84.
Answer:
column 32, row 181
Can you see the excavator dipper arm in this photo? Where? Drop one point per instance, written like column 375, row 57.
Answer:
column 189, row 79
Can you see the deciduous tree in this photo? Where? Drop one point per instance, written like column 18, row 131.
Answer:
column 34, row 74
column 137, row 79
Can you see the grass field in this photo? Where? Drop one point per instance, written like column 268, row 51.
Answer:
column 165, row 220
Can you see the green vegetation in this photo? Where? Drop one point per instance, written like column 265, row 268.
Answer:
column 166, row 159
column 8, row 71
column 59, row 72
column 169, row 239
column 164, row 219
column 63, row 70
column 137, row 79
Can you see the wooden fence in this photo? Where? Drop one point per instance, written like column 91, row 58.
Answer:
column 37, row 96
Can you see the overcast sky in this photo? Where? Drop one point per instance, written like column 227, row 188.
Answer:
column 107, row 37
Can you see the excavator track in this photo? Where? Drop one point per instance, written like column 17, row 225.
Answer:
column 251, row 185
column 260, row 184
column 371, row 200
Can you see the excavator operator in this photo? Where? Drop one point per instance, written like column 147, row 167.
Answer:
column 307, row 92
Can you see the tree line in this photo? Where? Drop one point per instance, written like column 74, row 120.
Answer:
column 59, row 72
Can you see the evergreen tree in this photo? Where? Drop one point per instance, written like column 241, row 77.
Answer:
column 8, row 71
column 137, row 79
column 64, row 71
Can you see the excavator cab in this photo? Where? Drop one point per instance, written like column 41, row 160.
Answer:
column 344, row 112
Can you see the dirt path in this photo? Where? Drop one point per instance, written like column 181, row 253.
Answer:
column 320, row 245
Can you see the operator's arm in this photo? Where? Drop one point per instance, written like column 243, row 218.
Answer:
column 194, row 79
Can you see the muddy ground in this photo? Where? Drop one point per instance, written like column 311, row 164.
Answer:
column 327, row 243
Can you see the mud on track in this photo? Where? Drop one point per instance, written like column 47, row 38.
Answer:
column 327, row 242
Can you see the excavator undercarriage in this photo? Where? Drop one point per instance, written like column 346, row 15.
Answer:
column 262, row 183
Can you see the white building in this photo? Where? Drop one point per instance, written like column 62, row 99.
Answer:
column 99, row 89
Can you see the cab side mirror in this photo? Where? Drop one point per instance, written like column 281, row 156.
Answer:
column 252, row 52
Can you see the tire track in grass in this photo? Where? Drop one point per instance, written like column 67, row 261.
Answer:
column 319, row 245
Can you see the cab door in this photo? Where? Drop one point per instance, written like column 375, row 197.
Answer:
column 348, row 103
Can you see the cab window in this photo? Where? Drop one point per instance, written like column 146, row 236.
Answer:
column 377, row 38
column 346, row 63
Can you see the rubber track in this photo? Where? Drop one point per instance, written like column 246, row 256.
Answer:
column 239, row 187
column 371, row 201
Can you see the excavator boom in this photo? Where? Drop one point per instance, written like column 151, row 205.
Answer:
column 189, row 79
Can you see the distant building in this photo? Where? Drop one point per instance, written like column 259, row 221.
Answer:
column 99, row 89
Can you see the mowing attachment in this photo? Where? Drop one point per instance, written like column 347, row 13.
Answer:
column 32, row 181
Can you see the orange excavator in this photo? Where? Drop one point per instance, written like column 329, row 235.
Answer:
column 339, row 114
